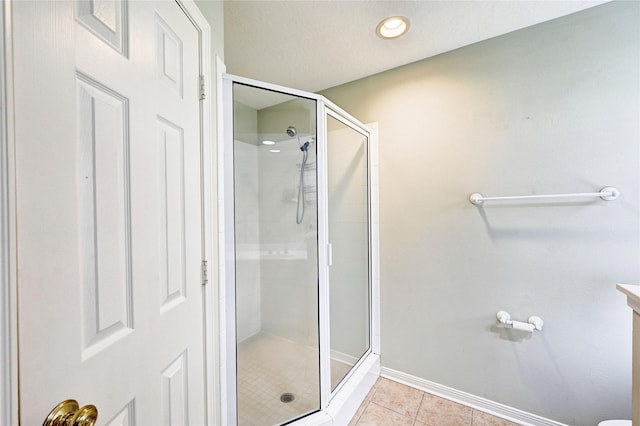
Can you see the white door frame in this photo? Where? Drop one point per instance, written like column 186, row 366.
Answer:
column 8, row 280
column 212, row 394
column 8, row 283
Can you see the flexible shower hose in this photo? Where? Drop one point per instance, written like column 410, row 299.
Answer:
column 300, row 206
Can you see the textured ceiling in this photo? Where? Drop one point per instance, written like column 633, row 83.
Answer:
column 314, row 45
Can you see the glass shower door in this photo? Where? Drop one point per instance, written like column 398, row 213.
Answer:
column 276, row 262
column 348, row 219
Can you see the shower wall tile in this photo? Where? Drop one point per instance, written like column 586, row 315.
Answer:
column 288, row 270
column 248, row 293
column 247, row 212
column 287, row 296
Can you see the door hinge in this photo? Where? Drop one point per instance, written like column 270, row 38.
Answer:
column 205, row 273
column 202, row 94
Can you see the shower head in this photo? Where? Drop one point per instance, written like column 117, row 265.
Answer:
column 291, row 131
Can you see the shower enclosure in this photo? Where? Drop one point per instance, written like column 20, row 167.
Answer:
column 300, row 231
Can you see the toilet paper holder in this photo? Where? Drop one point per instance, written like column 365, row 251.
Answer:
column 533, row 323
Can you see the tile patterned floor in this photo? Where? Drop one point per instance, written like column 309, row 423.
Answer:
column 391, row 403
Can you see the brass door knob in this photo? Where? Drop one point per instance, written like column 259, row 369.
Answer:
column 69, row 413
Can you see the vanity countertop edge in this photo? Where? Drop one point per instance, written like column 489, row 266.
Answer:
column 633, row 295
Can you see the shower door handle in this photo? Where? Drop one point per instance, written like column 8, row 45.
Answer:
column 329, row 254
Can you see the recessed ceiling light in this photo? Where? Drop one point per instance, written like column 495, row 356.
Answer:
column 274, row 150
column 392, row 27
column 268, row 143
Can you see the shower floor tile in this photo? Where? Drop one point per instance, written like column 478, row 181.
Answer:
column 270, row 366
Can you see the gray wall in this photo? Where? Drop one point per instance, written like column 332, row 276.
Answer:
column 548, row 109
column 349, row 237
column 213, row 11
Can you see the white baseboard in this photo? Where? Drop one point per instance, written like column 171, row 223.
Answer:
column 475, row 402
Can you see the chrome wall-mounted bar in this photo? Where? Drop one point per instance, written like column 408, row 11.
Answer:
column 607, row 193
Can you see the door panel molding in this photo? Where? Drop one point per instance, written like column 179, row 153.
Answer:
column 108, row 21
column 104, row 130
column 8, row 284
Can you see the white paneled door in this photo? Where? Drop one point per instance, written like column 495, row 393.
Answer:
column 109, row 224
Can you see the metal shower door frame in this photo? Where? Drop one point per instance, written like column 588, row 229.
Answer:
column 337, row 113
column 330, row 402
